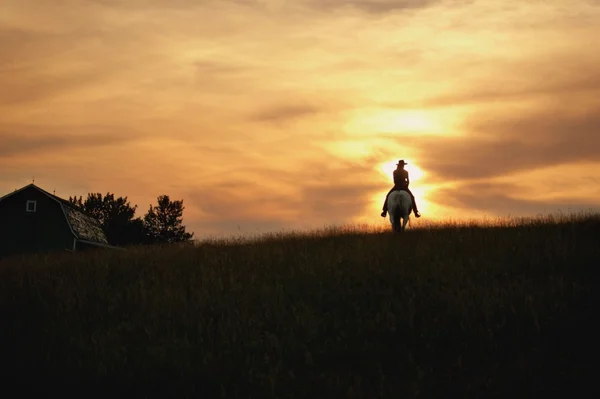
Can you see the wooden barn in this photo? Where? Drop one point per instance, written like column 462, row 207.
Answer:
column 33, row 220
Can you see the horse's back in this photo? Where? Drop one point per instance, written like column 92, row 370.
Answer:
column 398, row 197
column 400, row 200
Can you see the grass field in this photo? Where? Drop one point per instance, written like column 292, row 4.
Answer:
column 456, row 310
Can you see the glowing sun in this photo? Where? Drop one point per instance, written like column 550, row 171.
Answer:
column 414, row 172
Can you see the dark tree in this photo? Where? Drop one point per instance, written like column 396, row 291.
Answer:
column 116, row 216
column 78, row 202
column 164, row 222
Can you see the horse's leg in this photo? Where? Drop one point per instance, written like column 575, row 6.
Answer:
column 405, row 222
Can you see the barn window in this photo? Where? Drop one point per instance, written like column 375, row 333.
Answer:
column 31, row 206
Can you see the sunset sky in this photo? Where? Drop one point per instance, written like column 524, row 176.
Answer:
column 264, row 115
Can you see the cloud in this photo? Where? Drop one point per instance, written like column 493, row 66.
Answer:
column 218, row 68
column 149, row 3
column 272, row 113
column 237, row 205
column 575, row 78
column 40, row 140
column 337, row 202
column 24, row 77
column 39, row 88
column 86, row 63
column 505, row 144
column 335, row 192
column 282, row 113
column 373, row 6
column 504, row 199
column 171, row 4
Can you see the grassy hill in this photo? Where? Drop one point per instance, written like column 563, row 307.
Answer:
column 461, row 310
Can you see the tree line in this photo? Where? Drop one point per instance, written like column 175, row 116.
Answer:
column 162, row 223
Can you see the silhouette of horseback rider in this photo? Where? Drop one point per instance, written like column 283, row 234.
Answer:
column 401, row 182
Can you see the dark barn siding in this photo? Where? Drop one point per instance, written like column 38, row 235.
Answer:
column 40, row 231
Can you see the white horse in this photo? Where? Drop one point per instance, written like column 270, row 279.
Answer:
column 399, row 206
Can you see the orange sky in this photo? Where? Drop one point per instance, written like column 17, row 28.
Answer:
column 265, row 115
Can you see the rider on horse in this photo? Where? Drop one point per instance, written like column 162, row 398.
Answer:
column 401, row 182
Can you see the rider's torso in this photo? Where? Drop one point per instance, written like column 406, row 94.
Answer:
column 400, row 178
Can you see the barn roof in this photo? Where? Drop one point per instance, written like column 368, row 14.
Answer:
column 83, row 226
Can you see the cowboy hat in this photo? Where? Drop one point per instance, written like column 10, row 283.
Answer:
column 401, row 162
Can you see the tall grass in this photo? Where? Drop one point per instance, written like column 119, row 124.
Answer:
column 462, row 309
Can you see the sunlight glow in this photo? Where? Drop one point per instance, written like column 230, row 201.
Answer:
column 414, row 172
column 394, row 121
column 352, row 149
column 297, row 116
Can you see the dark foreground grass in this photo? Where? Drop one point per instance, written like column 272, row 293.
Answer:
column 455, row 311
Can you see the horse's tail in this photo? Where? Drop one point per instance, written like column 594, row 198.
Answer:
column 397, row 213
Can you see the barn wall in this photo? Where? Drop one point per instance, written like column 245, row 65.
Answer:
column 40, row 231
